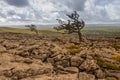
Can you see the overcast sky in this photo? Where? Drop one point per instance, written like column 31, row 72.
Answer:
column 47, row 11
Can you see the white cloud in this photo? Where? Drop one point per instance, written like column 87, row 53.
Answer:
column 47, row 11
column 102, row 11
column 113, row 10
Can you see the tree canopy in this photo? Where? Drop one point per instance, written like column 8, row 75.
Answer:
column 73, row 25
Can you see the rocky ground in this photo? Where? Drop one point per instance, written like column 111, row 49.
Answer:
column 35, row 57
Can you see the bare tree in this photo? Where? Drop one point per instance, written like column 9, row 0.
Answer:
column 73, row 25
column 32, row 27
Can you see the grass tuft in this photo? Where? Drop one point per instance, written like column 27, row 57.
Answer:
column 117, row 47
column 116, row 57
column 73, row 49
column 107, row 65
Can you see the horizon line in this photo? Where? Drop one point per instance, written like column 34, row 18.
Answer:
column 56, row 23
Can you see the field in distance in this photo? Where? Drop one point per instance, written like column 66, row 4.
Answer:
column 88, row 31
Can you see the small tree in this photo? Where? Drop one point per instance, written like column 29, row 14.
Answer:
column 32, row 27
column 74, row 25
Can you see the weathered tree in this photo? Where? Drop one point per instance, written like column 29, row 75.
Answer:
column 73, row 25
column 33, row 27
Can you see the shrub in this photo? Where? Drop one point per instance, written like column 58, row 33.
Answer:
column 116, row 57
column 117, row 47
column 73, row 49
column 107, row 65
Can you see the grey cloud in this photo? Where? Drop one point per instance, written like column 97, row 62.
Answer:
column 18, row 3
column 90, row 10
column 66, row 6
column 10, row 13
column 77, row 5
column 2, row 15
column 103, row 2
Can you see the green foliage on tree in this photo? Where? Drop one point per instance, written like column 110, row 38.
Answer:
column 73, row 25
column 32, row 27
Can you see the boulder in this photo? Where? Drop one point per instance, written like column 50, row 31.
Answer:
column 68, row 70
column 85, row 76
column 10, row 45
column 64, row 63
column 59, row 69
column 50, row 60
column 71, row 69
column 89, row 65
column 65, row 77
column 21, row 70
column 99, row 74
column 58, row 57
column 111, row 78
column 76, row 61
column 2, row 48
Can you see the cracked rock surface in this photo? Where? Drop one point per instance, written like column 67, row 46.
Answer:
column 34, row 57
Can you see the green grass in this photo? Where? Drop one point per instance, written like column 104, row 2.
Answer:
column 107, row 65
column 73, row 49
column 102, row 29
column 116, row 57
column 117, row 47
column 51, row 31
column 15, row 30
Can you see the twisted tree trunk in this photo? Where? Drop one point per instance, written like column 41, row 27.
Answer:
column 80, row 36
